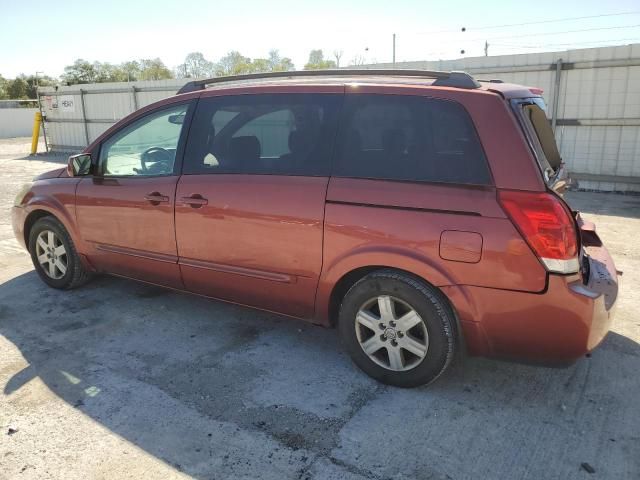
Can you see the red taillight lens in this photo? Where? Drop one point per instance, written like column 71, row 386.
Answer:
column 546, row 225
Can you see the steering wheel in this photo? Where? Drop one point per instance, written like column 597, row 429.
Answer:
column 161, row 161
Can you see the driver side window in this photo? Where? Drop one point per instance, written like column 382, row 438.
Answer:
column 146, row 147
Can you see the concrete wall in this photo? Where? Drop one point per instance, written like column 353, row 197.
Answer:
column 16, row 122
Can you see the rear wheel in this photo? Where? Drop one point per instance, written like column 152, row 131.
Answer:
column 397, row 329
column 54, row 256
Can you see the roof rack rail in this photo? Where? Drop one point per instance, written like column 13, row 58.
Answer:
column 443, row 79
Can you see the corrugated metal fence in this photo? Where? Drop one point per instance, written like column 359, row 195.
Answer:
column 78, row 114
column 593, row 98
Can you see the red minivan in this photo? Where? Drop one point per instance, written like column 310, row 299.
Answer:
column 419, row 212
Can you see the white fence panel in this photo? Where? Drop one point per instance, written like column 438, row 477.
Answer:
column 16, row 122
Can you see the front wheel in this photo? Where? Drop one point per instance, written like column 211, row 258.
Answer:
column 54, row 256
column 397, row 329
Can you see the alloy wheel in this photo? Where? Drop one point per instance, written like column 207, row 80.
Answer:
column 51, row 254
column 391, row 333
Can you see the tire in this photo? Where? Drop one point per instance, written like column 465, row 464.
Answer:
column 410, row 358
column 63, row 252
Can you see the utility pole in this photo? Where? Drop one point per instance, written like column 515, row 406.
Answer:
column 486, row 48
column 394, row 49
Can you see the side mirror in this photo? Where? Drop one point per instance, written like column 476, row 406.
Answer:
column 79, row 165
column 177, row 119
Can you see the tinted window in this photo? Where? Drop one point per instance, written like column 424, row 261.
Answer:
column 282, row 134
column 146, row 147
column 409, row 138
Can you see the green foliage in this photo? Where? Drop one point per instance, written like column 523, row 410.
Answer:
column 153, row 69
column 276, row 63
column 22, row 87
column 17, row 88
column 33, row 82
column 195, row 65
column 83, row 71
column 3, row 88
column 233, row 63
column 317, row 61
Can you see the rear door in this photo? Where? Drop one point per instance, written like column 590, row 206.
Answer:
column 250, row 202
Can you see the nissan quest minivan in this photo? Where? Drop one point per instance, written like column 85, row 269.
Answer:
column 421, row 213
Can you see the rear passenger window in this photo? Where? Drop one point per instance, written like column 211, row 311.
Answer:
column 279, row 134
column 409, row 138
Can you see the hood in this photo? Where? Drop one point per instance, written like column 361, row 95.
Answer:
column 58, row 172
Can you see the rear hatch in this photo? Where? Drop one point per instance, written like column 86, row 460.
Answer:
column 531, row 113
column 597, row 268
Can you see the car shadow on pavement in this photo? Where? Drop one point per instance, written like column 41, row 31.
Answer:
column 209, row 387
column 601, row 203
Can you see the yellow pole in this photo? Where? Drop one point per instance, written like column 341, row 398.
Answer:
column 36, row 132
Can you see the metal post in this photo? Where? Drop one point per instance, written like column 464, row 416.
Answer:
column 394, row 49
column 84, row 117
column 556, row 96
column 44, row 130
column 134, row 98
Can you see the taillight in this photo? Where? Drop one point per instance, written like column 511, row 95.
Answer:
column 547, row 227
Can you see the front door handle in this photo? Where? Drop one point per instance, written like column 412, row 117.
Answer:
column 196, row 200
column 155, row 198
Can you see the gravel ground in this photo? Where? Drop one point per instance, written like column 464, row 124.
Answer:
column 123, row 380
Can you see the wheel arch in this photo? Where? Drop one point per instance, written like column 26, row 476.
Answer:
column 349, row 279
column 44, row 204
column 30, row 221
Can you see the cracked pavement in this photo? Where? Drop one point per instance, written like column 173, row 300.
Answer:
column 124, row 380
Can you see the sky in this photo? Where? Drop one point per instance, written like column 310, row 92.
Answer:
column 45, row 36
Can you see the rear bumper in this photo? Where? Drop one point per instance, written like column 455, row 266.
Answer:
column 556, row 327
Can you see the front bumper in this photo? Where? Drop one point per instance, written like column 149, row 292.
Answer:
column 18, row 218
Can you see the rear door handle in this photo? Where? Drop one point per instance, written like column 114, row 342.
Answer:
column 156, row 198
column 196, row 200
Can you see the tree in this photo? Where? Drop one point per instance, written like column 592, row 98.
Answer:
column 130, row 70
column 3, row 88
column 317, row 61
column 357, row 61
column 233, row 63
column 107, row 72
column 337, row 54
column 195, row 65
column 80, row 72
column 276, row 63
column 153, row 69
column 17, row 88
column 33, row 82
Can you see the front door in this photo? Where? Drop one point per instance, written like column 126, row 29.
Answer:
column 125, row 211
column 250, row 202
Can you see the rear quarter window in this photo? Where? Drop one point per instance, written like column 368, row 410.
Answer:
column 409, row 138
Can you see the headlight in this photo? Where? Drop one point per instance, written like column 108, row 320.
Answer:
column 26, row 188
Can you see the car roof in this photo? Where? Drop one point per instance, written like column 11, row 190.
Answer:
column 409, row 78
